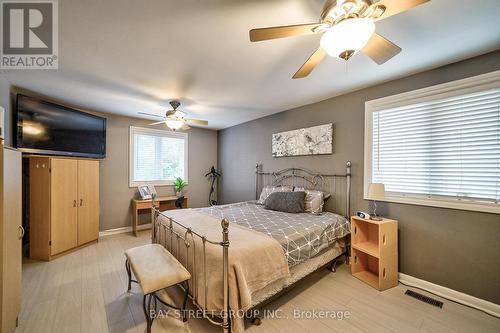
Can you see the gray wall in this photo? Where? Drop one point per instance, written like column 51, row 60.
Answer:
column 453, row 248
column 114, row 182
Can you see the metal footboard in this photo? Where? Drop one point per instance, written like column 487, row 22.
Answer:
column 175, row 237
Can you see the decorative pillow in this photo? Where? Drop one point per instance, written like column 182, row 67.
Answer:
column 268, row 189
column 288, row 202
column 314, row 200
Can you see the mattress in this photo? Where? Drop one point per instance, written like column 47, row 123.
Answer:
column 302, row 236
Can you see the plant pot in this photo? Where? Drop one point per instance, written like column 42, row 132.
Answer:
column 179, row 194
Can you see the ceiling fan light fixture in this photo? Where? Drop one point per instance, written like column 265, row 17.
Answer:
column 347, row 37
column 174, row 124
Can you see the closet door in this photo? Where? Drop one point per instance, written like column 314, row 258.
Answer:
column 88, row 201
column 64, row 210
column 13, row 233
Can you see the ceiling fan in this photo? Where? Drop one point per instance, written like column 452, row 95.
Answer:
column 175, row 119
column 348, row 26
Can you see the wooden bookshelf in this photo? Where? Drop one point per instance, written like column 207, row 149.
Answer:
column 374, row 252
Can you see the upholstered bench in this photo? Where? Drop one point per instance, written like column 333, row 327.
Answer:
column 155, row 269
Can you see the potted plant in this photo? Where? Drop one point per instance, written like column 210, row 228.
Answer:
column 179, row 185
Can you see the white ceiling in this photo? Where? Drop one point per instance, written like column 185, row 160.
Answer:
column 128, row 56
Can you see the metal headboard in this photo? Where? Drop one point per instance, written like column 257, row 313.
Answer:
column 300, row 177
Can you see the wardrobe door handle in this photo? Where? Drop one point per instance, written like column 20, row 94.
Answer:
column 81, row 202
column 74, row 203
column 22, row 232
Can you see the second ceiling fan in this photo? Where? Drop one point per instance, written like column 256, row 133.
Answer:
column 348, row 26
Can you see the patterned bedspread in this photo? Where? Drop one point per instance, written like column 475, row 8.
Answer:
column 302, row 236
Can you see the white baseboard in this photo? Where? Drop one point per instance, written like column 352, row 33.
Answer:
column 123, row 230
column 480, row 304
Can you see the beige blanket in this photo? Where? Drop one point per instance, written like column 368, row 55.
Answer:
column 255, row 260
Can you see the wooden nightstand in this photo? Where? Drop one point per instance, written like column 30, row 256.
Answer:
column 144, row 206
column 374, row 252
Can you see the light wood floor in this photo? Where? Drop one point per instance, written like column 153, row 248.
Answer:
column 85, row 291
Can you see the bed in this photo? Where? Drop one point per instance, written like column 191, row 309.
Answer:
column 241, row 255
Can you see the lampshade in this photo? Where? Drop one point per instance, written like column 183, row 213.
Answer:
column 376, row 191
column 347, row 37
column 174, row 124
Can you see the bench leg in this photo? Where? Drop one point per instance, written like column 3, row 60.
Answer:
column 129, row 273
column 146, row 312
column 186, row 296
column 151, row 317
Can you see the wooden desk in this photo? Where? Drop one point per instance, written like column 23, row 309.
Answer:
column 140, row 206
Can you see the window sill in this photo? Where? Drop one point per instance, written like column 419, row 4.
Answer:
column 485, row 207
column 153, row 183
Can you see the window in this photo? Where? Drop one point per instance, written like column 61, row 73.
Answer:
column 438, row 146
column 157, row 157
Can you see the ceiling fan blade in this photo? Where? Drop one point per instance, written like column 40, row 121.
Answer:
column 197, row 122
column 150, row 114
column 393, row 7
column 157, row 123
column 310, row 64
column 260, row 34
column 380, row 49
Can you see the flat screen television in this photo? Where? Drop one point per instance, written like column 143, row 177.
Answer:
column 51, row 129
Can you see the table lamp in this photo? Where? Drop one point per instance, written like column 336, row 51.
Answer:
column 376, row 191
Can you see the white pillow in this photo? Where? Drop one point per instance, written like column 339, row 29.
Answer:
column 268, row 189
column 314, row 201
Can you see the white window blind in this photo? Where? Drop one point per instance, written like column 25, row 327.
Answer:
column 157, row 157
column 448, row 148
